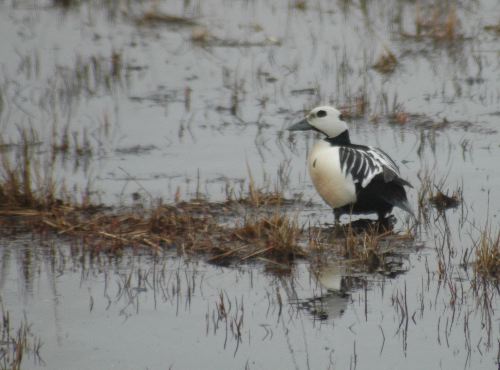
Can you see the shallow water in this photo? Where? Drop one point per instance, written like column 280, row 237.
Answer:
column 180, row 116
column 142, row 312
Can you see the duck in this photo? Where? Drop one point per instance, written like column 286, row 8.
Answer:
column 351, row 178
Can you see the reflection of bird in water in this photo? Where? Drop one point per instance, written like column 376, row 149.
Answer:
column 328, row 306
column 332, row 277
column 351, row 178
column 333, row 303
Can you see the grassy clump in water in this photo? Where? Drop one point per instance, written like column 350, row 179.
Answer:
column 199, row 226
column 387, row 62
column 249, row 226
column 16, row 184
column 275, row 236
column 487, row 262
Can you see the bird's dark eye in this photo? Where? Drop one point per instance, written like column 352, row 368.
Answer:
column 321, row 113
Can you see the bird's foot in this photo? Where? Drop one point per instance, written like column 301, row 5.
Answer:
column 385, row 224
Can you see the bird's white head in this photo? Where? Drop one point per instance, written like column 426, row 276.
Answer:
column 324, row 119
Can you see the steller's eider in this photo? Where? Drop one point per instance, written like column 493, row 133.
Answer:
column 351, row 178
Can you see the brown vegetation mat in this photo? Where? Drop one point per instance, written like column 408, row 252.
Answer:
column 256, row 225
column 187, row 226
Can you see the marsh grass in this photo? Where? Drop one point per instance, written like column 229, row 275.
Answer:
column 88, row 77
column 275, row 236
column 191, row 226
column 259, row 196
column 487, row 261
column 16, row 186
column 444, row 201
column 432, row 194
column 361, row 247
column 256, row 224
column 371, row 248
column 259, row 227
column 16, row 345
column 365, row 245
column 386, row 63
column 438, row 23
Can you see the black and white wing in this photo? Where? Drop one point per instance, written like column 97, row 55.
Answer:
column 363, row 163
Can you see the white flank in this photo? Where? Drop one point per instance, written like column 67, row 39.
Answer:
column 336, row 188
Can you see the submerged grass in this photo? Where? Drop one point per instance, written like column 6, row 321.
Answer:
column 16, row 345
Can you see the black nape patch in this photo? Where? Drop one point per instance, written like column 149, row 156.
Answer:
column 314, row 163
column 321, row 113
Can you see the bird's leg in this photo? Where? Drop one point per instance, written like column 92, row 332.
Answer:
column 336, row 215
column 381, row 217
column 383, row 223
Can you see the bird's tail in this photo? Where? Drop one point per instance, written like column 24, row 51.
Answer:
column 398, row 198
column 405, row 206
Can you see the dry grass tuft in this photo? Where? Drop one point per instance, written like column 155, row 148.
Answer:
column 364, row 248
column 443, row 201
column 364, row 245
column 431, row 194
column 400, row 117
column 276, row 236
column 17, row 180
column 258, row 197
column 438, row 23
column 386, row 63
column 487, row 262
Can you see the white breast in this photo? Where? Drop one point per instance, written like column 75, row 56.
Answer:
column 324, row 167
